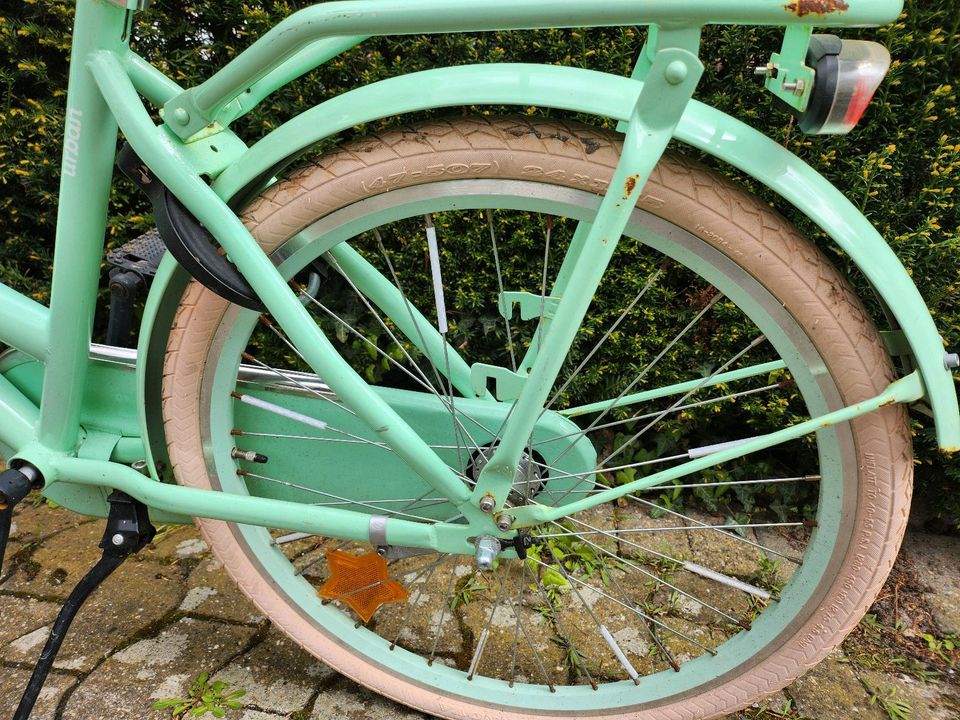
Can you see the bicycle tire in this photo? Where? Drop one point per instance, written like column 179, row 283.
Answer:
column 727, row 221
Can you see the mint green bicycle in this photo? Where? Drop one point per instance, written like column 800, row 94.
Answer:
column 474, row 517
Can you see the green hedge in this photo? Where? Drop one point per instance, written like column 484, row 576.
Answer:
column 899, row 166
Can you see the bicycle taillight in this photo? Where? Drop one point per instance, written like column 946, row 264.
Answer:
column 848, row 73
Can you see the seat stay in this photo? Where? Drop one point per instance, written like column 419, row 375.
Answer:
column 670, row 84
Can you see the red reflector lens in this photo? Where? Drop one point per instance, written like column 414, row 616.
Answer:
column 859, row 102
column 844, row 86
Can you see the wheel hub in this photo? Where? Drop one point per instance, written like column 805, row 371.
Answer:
column 529, row 480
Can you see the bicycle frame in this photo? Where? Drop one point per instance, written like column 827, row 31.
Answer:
column 107, row 80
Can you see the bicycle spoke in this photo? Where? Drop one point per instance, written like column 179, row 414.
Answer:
column 413, row 603
column 719, row 483
column 438, row 294
column 516, row 630
column 422, row 381
column 611, row 534
column 663, row 414
column 543, row 281
column 651, row 281
column 443, row 612
column 496, row 262
column 482, row 642
column 302, row 419
column 652, row 364
column 714, row 575
column 363, row 503
column 450, row 405
column 728, row 483
column 673, row 529
column 634, row 610
column 586, row 606
column 536, row 653
column 286, row 376
column 314, row 438
column 681, row 408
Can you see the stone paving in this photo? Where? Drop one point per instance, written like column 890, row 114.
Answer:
column 171, row 613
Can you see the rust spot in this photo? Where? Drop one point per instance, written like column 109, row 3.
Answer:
column 801, row 8
column 629, row 186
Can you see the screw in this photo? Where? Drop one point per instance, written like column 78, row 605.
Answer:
column 181, row 116
column 504, row 522
column 487, row 503
column 117, row 539
column 797, row 87
column 675, row 72
column 951, row 360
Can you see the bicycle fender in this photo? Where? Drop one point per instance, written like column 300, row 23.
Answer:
column 752, row 152
column 703, row 127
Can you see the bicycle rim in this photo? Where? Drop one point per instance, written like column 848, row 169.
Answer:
column 562, row 671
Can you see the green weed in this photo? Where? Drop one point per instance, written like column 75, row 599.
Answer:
column 888, row 702
column 204, row 697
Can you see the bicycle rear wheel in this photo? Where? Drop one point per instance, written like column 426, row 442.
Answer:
column 681, row 602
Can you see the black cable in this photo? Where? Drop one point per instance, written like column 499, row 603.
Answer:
column 97, row 574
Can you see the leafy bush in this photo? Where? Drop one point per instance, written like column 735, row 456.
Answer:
column 899, row 167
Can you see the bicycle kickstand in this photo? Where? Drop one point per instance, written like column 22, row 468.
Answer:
column 128, row 531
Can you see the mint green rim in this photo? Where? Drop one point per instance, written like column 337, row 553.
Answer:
column 801, row 595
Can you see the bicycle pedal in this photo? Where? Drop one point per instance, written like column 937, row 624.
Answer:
column 141, row 255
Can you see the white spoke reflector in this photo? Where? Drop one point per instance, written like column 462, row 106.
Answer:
column 710, row 449
column 631, row 671
column 726, row 580
column 478, row 652
column 282, row 411
column 292, row 537
column 437, row 279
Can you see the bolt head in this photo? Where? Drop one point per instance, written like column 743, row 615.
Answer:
column 488, row 503
column 117, row 539
column 951, row 360
column 675, row 72
column 181, row 116
column 504, row 522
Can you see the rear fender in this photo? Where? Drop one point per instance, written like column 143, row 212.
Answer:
column 585, row 91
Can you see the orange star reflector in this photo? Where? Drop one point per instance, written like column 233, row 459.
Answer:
column 360, row 581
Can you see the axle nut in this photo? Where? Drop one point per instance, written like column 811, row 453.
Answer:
column 488, row 548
